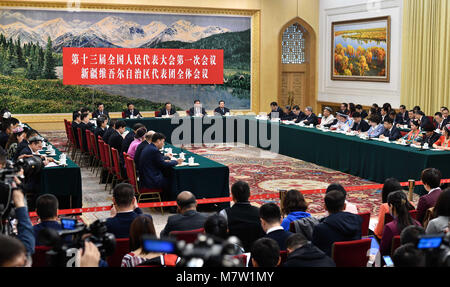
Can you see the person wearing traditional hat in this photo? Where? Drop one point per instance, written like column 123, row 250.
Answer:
column 345, row 123
column 429, row 137
column 376, row 128
column 328, row 119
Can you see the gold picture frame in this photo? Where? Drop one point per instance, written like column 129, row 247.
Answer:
column 360, row 50
column 89, row 6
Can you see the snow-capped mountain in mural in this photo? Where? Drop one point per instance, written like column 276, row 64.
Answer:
column 111, row 31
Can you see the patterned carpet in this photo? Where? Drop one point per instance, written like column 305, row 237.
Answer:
column 267, row 172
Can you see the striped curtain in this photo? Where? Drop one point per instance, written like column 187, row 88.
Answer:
column 426, row 54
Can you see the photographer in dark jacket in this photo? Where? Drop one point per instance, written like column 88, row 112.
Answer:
column 302, row 253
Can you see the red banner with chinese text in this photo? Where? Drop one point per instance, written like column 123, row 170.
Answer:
column 124, row 66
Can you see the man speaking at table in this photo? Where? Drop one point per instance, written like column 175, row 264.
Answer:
column 152, row 165
column 197, row 109
column 168, row 110
column 221, row 109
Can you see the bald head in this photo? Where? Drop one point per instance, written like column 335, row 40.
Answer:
column 148, row 136
column 186, row 201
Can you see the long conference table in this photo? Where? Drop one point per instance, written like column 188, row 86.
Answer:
column 369, row 159
column 62, row 181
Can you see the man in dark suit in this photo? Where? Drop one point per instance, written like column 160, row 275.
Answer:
column 270, row 215
column 167, row 110
column 131, row 112
column 344, row 109
column 310, row 118
column 84, row 126
column 359, row 125
column 384, row 113
column 137, row 155
column 100, row 130
column 243, row 218
column 302, row 253
column 197, row 109
column 298, row 114
column 116, row 138
column 221, row 109
column 439, row 121
column 288, row 114
column 188, row 218
column 445, row 112
column 152, row 164
column 390, row 131
column 76, row 120
column 402, row 117
column 109, row 131
column 359, row 109
column 100, row 111
column 125, row 210
column 431, row 179
column 422, row 118
column 338, row 226
column 276, row 111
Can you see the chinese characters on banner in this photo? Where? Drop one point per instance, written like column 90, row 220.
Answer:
column 122, row 66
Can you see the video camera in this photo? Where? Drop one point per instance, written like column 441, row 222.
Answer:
column 73, row 235
column 30, row 166
column 205, row 252
column 436, row 249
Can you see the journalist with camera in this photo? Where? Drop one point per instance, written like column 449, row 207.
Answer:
column 16, row 240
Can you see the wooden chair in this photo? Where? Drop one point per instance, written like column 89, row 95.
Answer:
column 123, row 115
column 122, row 248
column 94, row 147
column 40, row 256
column 142, row 193
column 69, row 141
column 103, row 163
column 117, row 176
column 109, row 166
column 157, row 113
column 365, row 223
column 188, row 236
column 188, row 113
column 83, row 152
column 90, row 150
column 351, row 253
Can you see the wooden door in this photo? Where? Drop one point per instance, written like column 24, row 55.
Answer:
column 293, row 89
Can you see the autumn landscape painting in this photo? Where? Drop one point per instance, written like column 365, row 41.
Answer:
column 360, row 50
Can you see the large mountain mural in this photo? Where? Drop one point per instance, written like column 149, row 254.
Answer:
column 110, row 32
column 20, row 28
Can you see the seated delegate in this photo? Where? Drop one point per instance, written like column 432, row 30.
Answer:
column 221, row 109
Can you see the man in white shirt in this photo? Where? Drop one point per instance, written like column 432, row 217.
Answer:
column 270, row 215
